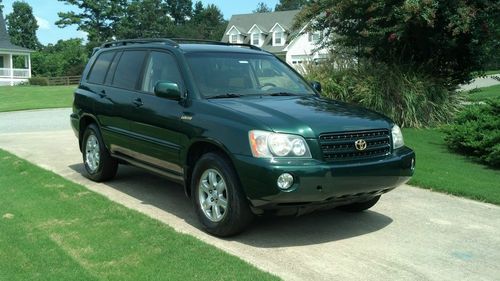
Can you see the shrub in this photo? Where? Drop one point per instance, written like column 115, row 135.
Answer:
column 476, row 132
column 408, row 96
column 39, row 81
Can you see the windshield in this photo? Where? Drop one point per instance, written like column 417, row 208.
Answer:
column 240, row 74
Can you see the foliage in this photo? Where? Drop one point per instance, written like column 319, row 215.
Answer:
column 144, row 19
column 65, row 58
column 447, row 39
column 442, row 170
column 262, row 8
column 206, row 23
column 407, row 95
column 38, row 81
column 476, row 132
column 97, row 18
column 180, row 10
column 285, row 5
column 22, row 26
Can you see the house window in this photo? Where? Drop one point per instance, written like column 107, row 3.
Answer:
column 313, row 37
column 1, row 61
column 233, row 38
column 256, row 39
column 278, row 38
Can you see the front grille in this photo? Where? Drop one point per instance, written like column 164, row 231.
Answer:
column 341, row 146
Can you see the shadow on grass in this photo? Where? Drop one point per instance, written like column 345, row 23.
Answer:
column 266, row 232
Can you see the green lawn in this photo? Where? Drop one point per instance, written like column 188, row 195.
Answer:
column 53, row 229
column 482, row 94
column 35, row 97
column 441, row 170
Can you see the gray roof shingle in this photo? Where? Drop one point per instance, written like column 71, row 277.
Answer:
column 5, row 44
column 265, row 21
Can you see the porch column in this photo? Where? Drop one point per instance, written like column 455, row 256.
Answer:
column 11, row 65
column 29, row 65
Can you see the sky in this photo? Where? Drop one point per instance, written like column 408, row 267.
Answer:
column 45, row 12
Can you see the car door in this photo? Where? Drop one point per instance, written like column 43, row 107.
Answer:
column 121, row 82
column 157, row 121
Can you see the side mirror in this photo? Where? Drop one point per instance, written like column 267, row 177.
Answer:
column 167, row 90
column 316, row 86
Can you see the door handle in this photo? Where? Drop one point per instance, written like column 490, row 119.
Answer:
column 138, row 102
column 102, row 93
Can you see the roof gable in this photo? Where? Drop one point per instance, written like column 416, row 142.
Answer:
column 256, row 27
column 277, row 27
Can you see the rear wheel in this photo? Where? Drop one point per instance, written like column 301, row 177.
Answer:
column 360, row 206
column 219, row 202
column 99, row 164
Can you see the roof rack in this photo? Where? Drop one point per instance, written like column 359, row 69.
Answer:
column 213, row 42
column 139, row 41
column 173, row 42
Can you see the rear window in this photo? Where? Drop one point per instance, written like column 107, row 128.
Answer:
column 129, row 69
column 100, row 68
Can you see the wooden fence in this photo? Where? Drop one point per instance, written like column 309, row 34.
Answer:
column 64, row 80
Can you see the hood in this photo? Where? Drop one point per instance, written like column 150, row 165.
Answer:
column 306, row 116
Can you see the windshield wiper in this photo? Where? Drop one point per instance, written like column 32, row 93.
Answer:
column 282, row 94
column 224, row 96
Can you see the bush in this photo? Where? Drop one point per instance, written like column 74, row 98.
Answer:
column 39, row 81
column 408, row 96
column 476, row 132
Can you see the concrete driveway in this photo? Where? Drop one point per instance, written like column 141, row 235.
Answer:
column 411, row 234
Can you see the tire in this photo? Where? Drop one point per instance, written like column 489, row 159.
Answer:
column 215, row 186
column 99, row 164
column 360, row 206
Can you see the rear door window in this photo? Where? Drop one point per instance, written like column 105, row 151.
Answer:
column 129, row 68
column 100, row 68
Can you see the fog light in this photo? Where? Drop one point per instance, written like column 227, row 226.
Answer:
column 285, row 181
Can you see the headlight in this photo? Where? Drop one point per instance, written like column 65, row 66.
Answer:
column 267, row 144
column 397, row 137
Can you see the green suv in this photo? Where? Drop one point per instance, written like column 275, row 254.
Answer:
column 243, row 132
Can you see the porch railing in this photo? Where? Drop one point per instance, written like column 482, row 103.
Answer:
column 17, row 73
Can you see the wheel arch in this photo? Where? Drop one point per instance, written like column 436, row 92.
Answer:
column 84, row 122
column 198, row 148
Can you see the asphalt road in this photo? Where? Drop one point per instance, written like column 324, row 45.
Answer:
column 411, row 234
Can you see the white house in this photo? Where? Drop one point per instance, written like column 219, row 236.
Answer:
column 15, row 61
column 272, row 32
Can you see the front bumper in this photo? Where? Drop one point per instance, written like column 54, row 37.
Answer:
column 320, row 184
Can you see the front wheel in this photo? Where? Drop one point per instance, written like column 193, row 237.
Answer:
column 360, row 206
column 99, row 164
column 219, row 202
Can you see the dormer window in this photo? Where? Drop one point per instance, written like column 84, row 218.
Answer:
column 278, row 38
column 233, row 38
column 256, row 39
column 313, row 37
column 278, row 35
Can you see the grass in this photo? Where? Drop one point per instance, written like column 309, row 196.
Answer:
column 482, row 94
column 489, row 72
column 441, row 170
column 53, row 229
column 35, row 97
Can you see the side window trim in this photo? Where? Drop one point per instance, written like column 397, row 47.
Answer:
column 112, row 69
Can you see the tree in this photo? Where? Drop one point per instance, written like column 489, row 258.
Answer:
column 180, row 10
column 206, row 23
column 22, row 26
column 144, row 19
column 286, row 5
column 262, row 8
column 96, row 17
column 445, row 39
